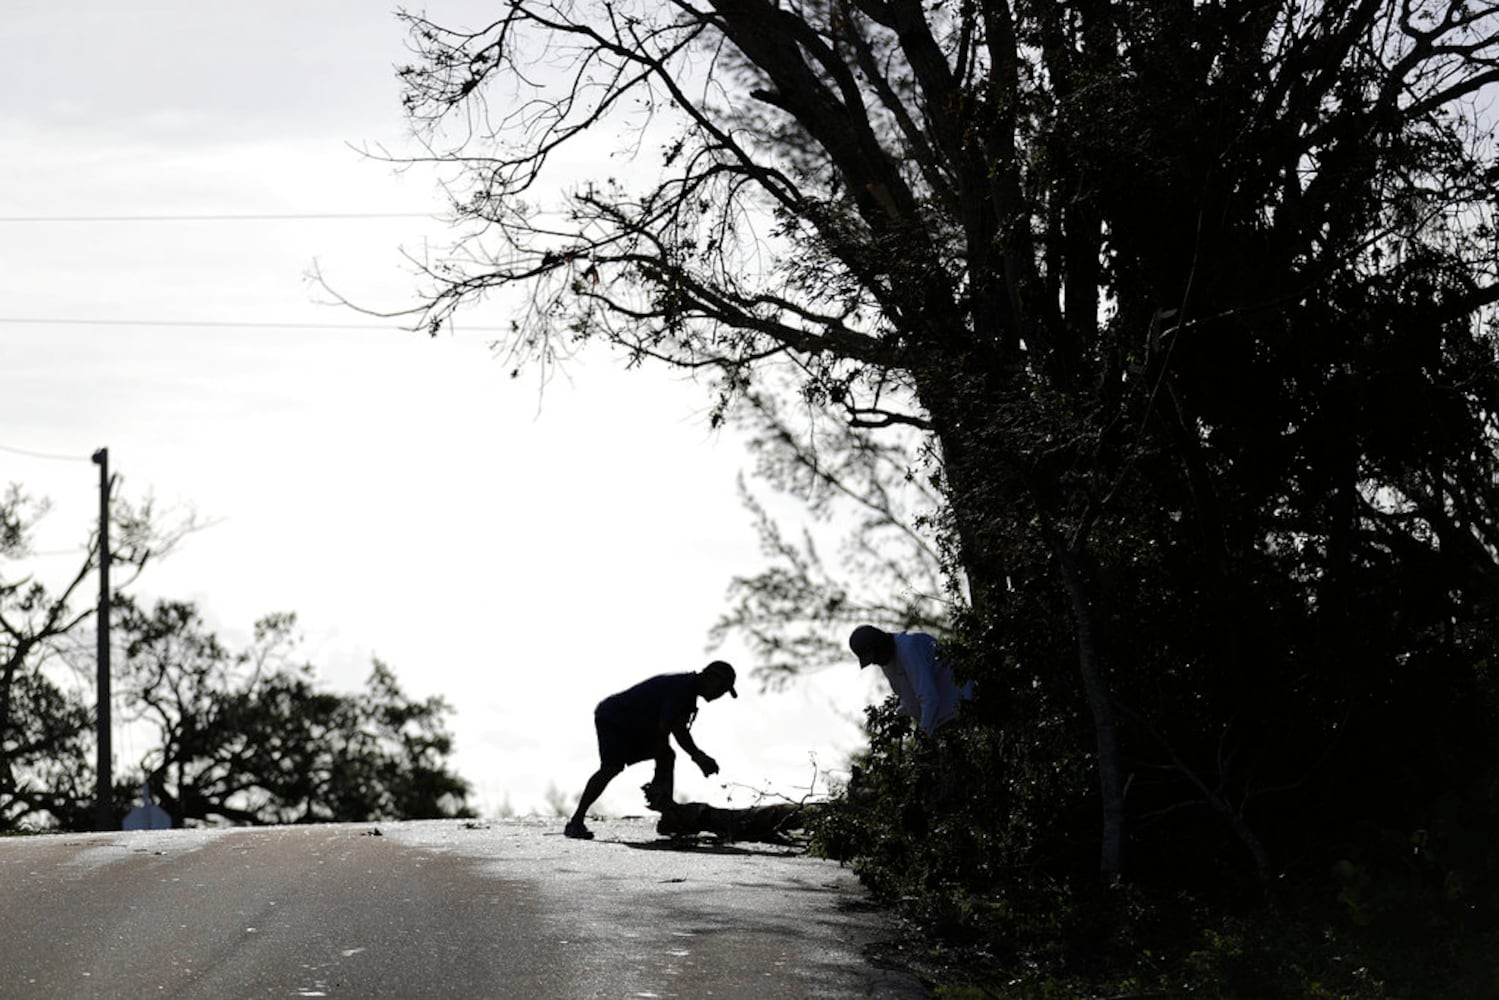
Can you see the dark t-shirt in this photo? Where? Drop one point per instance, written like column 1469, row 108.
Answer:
column 630, row 721
column 665, row 698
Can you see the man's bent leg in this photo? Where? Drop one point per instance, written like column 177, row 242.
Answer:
column 591, row 792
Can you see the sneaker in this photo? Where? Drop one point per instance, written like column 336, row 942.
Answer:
column 577, row 831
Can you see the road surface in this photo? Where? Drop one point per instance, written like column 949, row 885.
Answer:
column 432, row 909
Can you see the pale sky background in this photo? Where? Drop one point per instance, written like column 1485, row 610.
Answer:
column 521, row 555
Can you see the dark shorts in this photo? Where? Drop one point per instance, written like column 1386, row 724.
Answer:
column 621, row 745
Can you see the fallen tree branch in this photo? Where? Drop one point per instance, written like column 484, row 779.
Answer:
column 768, row 824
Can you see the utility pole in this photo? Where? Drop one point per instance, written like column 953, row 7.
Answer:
column 103, row 810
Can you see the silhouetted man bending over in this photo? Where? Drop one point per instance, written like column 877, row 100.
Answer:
column 637, row 724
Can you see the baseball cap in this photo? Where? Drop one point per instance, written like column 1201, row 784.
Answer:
column 724, row 672
column 866, row 642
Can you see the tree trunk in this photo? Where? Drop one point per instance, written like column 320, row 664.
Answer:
column 1101, row 704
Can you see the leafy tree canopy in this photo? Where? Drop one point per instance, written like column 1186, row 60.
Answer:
column 1191, row 304
column 251, row 738
column 46, row 722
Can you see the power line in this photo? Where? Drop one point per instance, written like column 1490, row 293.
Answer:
column 43, row 454
column 235, row 324
column 222, row 217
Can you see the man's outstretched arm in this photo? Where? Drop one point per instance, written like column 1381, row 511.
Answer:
column 706, row 764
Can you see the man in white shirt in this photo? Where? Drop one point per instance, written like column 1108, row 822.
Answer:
column 923, row 682
column 634, row 726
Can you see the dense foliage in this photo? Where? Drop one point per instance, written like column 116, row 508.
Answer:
column 1193, row 307
column 45, row 724
column 247, row 737
column 252, row 738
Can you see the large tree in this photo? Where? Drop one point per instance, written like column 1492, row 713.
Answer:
column 252, row 738
column 1194, row 300
column 46, row 715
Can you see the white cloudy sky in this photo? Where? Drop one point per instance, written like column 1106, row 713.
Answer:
column 522, row 556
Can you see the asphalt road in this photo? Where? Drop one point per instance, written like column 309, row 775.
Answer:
column 442, row 909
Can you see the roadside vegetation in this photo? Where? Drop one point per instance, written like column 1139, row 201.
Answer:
column 227, row 736
column 1152, row 350
column 1153, row 347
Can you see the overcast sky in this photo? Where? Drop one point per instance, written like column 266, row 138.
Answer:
column 522, row 555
